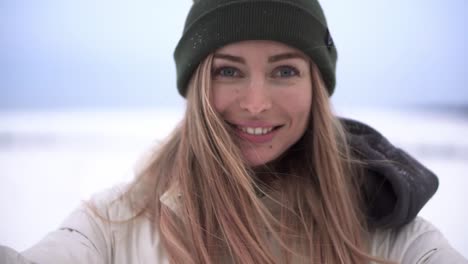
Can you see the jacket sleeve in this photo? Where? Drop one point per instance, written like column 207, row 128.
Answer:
column 10, row 256
column 431, row 247
column 416, row 243
column 84, row 237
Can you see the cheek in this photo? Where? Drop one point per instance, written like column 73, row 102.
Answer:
column 223, row 97
column 300, row 116
column 303, row 109
column 297, row 102
column 219, row 100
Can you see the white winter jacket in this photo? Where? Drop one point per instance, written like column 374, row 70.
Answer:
column 87, row 239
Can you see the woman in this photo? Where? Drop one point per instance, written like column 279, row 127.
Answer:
column 259, row 170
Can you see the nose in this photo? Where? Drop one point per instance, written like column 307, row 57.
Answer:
column 256, row 97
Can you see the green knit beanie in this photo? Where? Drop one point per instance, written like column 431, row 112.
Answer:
column 212, row 24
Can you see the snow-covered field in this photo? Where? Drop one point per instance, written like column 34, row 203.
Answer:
column 50, row 161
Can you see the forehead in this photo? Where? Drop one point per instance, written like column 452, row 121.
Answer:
column 258, row 46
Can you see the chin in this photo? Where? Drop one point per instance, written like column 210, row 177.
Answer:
column 255, row 160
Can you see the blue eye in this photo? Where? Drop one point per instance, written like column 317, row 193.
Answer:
column 285, row 72
column 227, row 72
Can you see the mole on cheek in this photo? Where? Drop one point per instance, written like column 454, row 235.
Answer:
column 271, row 146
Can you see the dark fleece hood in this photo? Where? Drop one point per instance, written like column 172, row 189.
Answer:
column 397, row 186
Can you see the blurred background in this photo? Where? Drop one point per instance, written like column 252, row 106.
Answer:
column 86, row 87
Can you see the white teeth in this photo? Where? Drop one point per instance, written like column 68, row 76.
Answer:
column 256, row 130
column 266, row 130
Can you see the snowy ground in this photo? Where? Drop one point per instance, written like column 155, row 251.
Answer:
column 50, row 161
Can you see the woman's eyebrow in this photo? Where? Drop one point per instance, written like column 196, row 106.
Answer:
column 229, row 57
column 271, row 59
column 288, row 55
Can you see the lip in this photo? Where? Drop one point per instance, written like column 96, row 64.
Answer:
column 261, row 124
column 256, row 139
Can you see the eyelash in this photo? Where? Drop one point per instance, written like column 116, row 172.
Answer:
column 218, row 71
column 238, row 74
column 285, row 67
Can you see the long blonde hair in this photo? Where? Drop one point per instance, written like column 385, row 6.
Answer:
column 221, row 214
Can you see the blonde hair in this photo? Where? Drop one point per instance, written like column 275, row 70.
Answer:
column 221, row 215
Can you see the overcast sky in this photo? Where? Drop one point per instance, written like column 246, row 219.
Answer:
column 118, row 54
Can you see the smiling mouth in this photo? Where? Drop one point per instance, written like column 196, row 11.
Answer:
column 255, row 131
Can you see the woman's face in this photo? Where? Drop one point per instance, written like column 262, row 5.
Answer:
column 263, row 90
